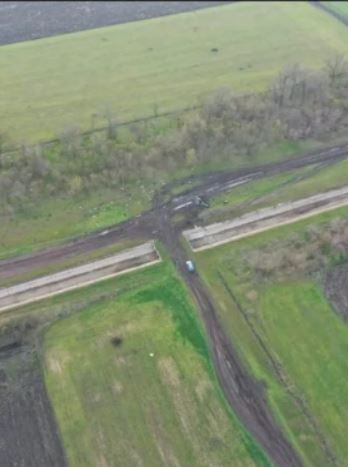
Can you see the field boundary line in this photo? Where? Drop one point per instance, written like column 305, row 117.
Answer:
column 50, row 142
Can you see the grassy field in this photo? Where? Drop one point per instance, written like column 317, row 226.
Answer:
column 152, row 399
column 338, row 7
column 289, row 186
column 57, row 219
column 165, row 62
column 291, row 323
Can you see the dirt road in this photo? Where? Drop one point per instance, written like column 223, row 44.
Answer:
column 143, row 227
column 244, row 394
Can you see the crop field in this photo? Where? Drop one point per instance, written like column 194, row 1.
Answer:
column 18, row 22
column 131, row 382
column 288, row 335
column 156, row 65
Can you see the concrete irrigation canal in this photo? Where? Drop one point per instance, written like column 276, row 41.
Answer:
column 201, row 238
column 60, row 282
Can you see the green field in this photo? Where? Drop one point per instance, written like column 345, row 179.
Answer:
column 55, row 82
column 338, row 7
column 57, row 219
column 153, row 400
column 287, row 321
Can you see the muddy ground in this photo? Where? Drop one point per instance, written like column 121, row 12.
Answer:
column 21, row 21
column 28, row 433
column 242, row 391
column 336, row 288
column 143, row 227
column 38, row 437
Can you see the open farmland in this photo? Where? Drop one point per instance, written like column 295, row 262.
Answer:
column 242, row 362
column 131, row 382
column 158, row 65
column 285, row 329
column 28, row 429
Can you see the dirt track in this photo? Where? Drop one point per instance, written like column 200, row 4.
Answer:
column 22, row 21
column 143, row 227
column 28, row 436
column 27, row 428
column 244, row 394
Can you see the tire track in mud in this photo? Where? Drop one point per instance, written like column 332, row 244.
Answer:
column 244, row 394
column 142, row 227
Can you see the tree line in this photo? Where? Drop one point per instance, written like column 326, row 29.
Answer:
column 299, row 104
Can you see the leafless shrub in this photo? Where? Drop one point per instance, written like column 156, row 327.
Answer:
column 297, row 256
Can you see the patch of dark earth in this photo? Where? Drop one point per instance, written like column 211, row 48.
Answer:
column 29, row 435
column 22, row 21
column 336, row 289
column 28, row 432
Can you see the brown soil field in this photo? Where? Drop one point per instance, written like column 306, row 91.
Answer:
column 28, row 433
column 22, row 21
